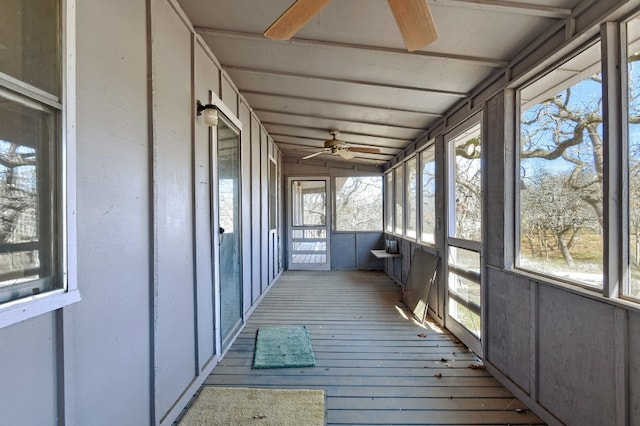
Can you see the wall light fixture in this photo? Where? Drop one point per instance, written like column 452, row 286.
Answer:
column 209, row 113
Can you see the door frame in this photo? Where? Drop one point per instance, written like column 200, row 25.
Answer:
column 327, row 226
column 475, row 343
column 224, row 114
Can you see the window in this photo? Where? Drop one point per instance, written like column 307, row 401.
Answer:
column 359, row 203
column 33, row 248
column 466, row 185
column 28, row 196
column 388, row 201
column 399, row 202
column 411, row 197
column 632, row 286
column 428, row 192
column 561, row 162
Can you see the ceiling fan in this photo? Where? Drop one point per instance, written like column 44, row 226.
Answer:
column 339, row 147
column 413, row 18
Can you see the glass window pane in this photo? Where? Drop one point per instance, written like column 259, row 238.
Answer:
column 561, row 164
column 412, row 182
column 467, row 185
column 389, row 202
column 27, row 201
column 429, row 195
column 633, row 33
column 309, row 203
column 399, row 178
column 30, row 42
column 359, row 203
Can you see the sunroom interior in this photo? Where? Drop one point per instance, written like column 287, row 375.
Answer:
column 165, row 168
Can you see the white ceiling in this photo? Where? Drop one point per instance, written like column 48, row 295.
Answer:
column 348, row 68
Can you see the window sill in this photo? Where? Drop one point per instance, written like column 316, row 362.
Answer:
column 32, row 306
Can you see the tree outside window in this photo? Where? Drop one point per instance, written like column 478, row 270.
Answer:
column 561, row 172
column 359, row 203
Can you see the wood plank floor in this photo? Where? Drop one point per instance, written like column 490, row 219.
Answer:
column 372, row 359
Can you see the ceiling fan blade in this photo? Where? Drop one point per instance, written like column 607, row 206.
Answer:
column 415, row 22
column 294, row 18
column 346, row 154
column 314, row 154
column 365, row 150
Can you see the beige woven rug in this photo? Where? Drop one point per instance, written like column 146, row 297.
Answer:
column 218, row 406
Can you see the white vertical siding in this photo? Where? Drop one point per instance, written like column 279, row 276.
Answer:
column 27, row 367
column 173, row 203
column 206, row 79
column 107, row 338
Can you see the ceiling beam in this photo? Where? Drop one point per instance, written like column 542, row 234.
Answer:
column 293, row 146
column 252, row 70
column 241, row 35
column 347, row 120
column 345, row 103
column 321, row 140
column 306, row 151
column 324, row 129
column 508, row 7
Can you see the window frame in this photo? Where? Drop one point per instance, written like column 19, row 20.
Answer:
column 407, row 194
column 618, row 281
column 21, row 309
column 516, row 267
column 389, row 202
column 334, row 192
column 420, row 196
column 399, row 170
column 616, row 229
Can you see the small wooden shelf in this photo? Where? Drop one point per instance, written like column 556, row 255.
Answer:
column 382, row 254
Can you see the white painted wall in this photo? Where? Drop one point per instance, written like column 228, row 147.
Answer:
column 107, row 339
column 142, row 339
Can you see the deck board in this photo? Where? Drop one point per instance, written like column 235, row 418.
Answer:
column 375, row 363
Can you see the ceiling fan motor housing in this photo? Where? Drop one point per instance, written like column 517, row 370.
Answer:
column 335, row 143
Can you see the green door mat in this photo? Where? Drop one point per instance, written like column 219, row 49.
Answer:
column 283, row 347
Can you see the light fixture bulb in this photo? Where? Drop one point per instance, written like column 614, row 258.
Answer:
column 470, row 149
column 210, row 116
column 209, row 113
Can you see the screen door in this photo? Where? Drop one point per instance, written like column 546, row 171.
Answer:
column 308, row 224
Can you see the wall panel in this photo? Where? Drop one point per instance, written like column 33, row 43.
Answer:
column 229, row 94
column 264, row 210
column 633, row 332
column 575, row 340
column 256, row 200
column 343, row 249
column 173, row 206
column 493, row 203
column 245, row 164
column 204, row 73
column 107, row 341
column 406, row 249
column 27, row 358
column 365, row 242
column 510, row 326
